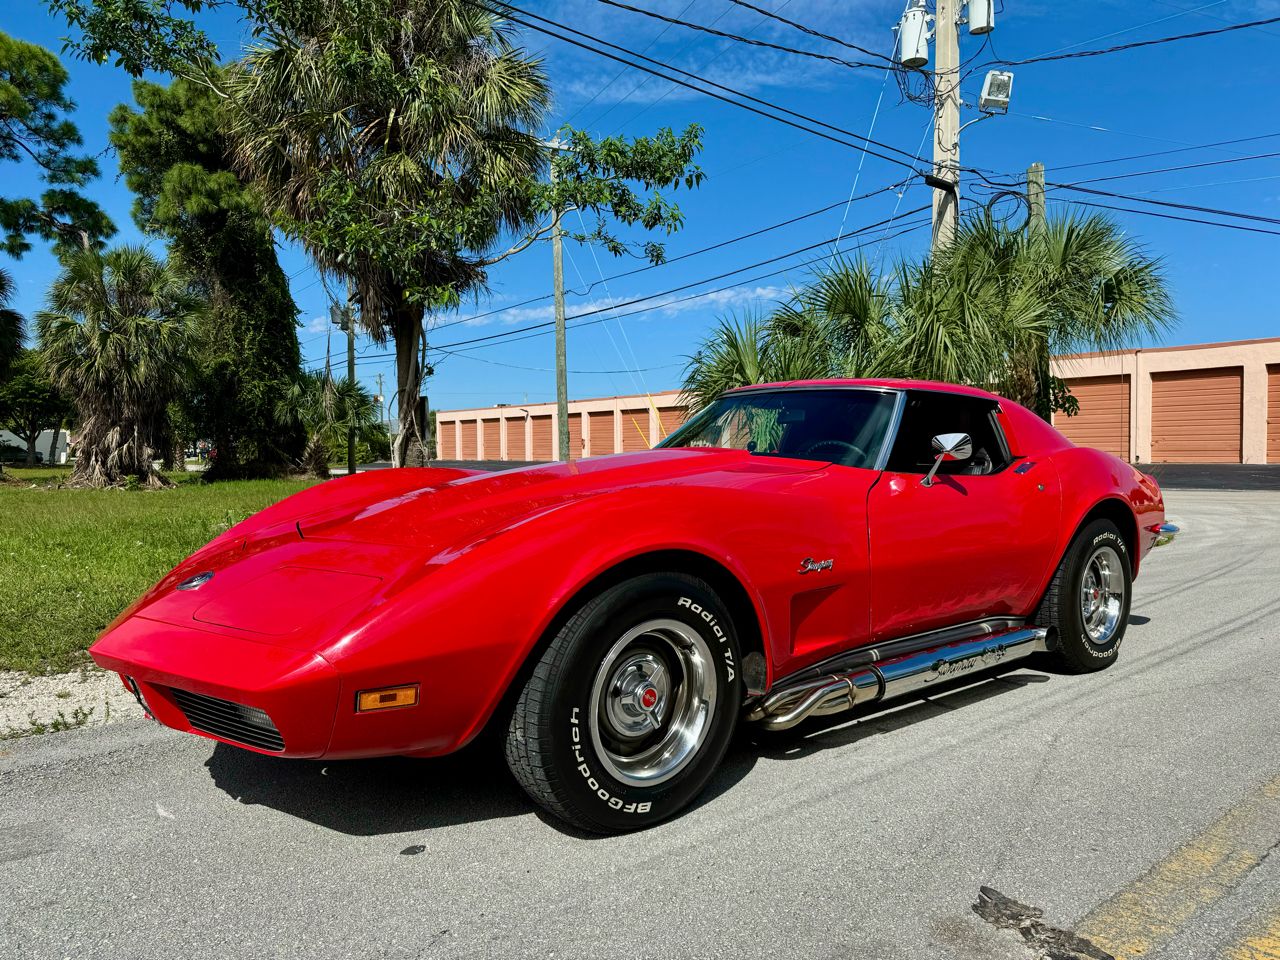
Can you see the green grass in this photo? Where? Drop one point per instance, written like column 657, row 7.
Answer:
column 71, row 560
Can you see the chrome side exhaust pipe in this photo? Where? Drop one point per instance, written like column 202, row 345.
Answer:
column 891, row 677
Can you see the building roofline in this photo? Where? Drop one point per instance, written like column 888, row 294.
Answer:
column 1186, row 346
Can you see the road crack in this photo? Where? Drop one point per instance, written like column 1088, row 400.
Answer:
column 1048, row 942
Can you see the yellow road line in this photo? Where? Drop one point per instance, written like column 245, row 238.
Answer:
column 1146, row 914
column 1261, row 944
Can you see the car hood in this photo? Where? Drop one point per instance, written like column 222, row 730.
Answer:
column 441, row 519
column 300, row 579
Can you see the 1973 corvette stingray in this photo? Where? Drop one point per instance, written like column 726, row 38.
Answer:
column 794, row 550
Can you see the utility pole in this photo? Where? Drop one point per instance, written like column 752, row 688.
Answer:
column 382, row 403
column 946, row 123
column 349, row 317
column 1035, row 197
column 557, row 269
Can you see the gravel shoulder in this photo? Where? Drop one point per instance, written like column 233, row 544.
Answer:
column 38, row 704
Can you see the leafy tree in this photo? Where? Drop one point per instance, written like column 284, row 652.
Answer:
column 988, row 311
column 114, row 338
column 395, row 139
column 33, row 128
column 245, row 346
column 326, row 409
column 29, row 402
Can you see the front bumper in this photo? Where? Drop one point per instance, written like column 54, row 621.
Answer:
column 1166, row 533
column 226, row 688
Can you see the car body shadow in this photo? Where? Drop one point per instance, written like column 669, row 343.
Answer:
column 392, row 795
column 378, row 796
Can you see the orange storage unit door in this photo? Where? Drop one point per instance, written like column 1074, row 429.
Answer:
column 542, row 438
column 515, row 439
column 600, row 429
column 575, row 435
column 470, row 449
column 635, row 429
column 669, row 418
column 1103, row 420
column 1196, row 416
column 1273, row 413
column 446, row 443
column 492, row 440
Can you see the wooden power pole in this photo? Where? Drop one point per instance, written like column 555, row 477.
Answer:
column 1035, row 197
column 946, row 123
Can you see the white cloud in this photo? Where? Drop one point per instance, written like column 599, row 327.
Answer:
column 318, row 325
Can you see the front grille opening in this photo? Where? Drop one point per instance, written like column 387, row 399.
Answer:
column 231, row 721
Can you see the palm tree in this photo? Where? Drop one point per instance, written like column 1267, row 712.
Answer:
column 989, row 311
column 370, row 128
column 1074, row 283
column 326, row 409
column 114, row 339
column 10, row 325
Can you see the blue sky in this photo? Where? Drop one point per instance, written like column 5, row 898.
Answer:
column 760, row 172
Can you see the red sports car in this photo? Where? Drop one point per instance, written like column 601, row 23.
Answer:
column 793, row 550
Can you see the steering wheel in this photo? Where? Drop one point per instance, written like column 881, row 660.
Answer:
column 851, row 452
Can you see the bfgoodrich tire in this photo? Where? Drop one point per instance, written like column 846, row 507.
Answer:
column 1087, row 604
column 632, row 706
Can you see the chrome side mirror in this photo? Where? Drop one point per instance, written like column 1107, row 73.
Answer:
column 948, row 446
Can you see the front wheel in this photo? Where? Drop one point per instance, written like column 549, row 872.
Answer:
column 631, row 707
column 1087, row 603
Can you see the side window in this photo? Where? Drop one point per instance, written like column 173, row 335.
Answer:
column 930, row 413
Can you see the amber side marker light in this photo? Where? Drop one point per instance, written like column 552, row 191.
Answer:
column 387, row 698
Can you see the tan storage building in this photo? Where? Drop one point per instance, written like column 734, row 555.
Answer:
column 1207, row 403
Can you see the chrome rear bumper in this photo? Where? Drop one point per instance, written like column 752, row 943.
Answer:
column 1165, row 533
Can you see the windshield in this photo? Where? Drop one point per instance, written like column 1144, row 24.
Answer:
column 844, row 426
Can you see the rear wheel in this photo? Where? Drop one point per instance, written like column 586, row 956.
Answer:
column 1087, row 603
column 631, row 707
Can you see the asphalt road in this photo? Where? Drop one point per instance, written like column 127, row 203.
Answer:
column 1136, row 808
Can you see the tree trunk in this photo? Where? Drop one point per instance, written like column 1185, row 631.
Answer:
column 31, row 449
column 407, row 330
column 1043, row 379
column 110, row 454
column 53, row 445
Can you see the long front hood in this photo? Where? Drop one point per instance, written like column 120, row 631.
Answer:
column 443, row 520
column 303, row 582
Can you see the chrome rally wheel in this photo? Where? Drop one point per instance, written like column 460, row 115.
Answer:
column 628, row 712
column 652, row 702
column 1102, row 594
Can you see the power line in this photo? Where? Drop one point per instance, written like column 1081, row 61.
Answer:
column 1166, row 203
column 517, row 366
column 507, row 14
column 772, row 15
column 695, row 283
column 1178, row 169
column 855, row 64
column 684, row 256
column 1166, row 216
column 591, row 316
column 706, row 293
column 645, row 81
column 1162, row 153
column 705, row 64
column 1120, row 48
column 617, row 76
